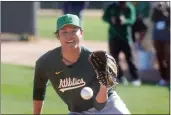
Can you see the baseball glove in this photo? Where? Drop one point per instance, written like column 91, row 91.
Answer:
column 105, row 68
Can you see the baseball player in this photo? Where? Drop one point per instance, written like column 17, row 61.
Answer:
column 69, row 70
column 120, row 16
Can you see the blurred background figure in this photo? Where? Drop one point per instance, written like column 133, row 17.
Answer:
column 161, row 39
column 75, row 7
column 139, row 28
column 120, row 16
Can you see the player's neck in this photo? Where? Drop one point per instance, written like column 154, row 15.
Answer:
column 71, row 56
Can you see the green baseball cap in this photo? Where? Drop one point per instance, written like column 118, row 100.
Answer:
column 68, row 19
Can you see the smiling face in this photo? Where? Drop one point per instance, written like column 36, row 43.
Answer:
column 70, row 36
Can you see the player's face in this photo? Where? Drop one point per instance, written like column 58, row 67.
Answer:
column 70, row 36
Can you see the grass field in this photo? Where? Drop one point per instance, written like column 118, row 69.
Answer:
column 94, row 28
column 16, row 95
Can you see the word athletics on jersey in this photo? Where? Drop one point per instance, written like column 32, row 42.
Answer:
column 70, row 83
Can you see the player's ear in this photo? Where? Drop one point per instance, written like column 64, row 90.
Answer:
column 57, row 35
column 82, row 32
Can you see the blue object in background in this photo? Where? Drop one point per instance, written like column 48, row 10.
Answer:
column 145, row 59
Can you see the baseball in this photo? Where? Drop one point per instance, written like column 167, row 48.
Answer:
column 86, row 93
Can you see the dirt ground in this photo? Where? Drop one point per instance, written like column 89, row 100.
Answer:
column 26, row 53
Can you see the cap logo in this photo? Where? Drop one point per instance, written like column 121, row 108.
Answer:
column 68, row 19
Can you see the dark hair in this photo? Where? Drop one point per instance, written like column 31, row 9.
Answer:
column 56, row 32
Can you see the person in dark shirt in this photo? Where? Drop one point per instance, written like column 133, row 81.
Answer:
column 120, row 16
column 161, row 39
column 68, row 69
column 75, row 7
